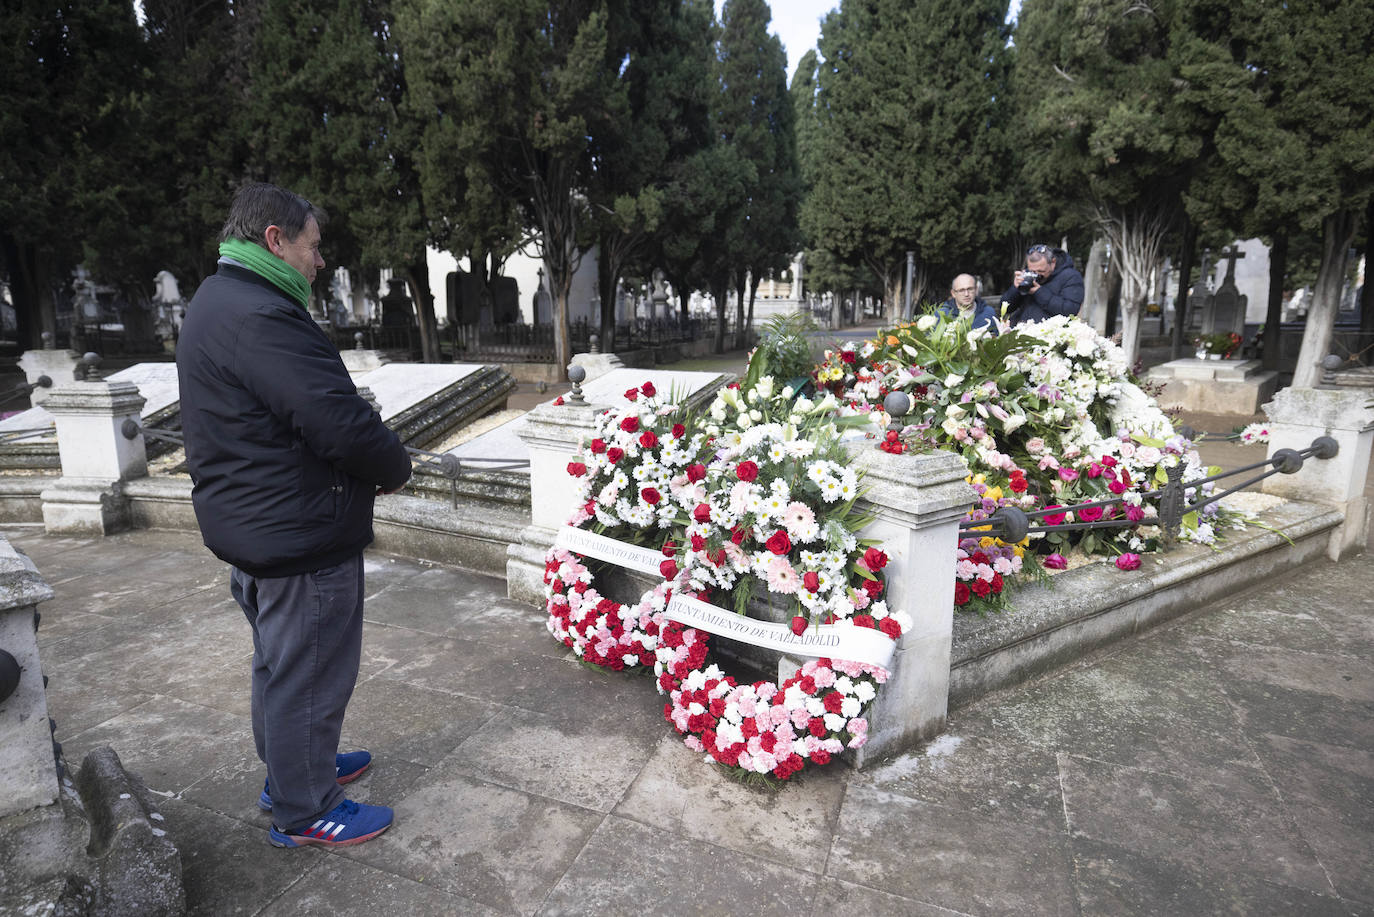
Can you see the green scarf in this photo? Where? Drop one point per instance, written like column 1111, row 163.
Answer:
column 271, row 268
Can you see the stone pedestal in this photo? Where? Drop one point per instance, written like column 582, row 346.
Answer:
column 1299, row 415
column 1214, row 386
column 58, row 365
column 917, row 502
column 96, row 457
column 553, row 434
column 363, row 361
column 28, row 773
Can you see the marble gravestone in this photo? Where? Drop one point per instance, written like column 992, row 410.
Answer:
column 1225, row 312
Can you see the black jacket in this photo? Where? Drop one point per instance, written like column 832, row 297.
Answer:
column 1060, row 294
column 284, row 454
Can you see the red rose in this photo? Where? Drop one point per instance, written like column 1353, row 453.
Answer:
column 577, row 469
column 798, row 625
column 648, row 389
column 630, row 424
column 1117, row 487
column 679, row 430
column 632, row 394
column 598, row 446
column 1108, row 461
column 1019, row 485
column 648, row 440
column 1054, row 518
column 696, row 472
column 668, row 568
column 779, row 544
column 811, row 580
column 651, row 495
column 614, row 454
column 874, row 559
column 1090, row 514
column 698, row 543
column 737, row 535
column 702, row 513
column 747, row 471
column 890, row 627
column 669, row 548
column 847, row 356
column 961, row 594
column 873, row 587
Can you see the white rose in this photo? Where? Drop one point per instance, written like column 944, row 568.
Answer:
column 926, row 322
column 953, row 379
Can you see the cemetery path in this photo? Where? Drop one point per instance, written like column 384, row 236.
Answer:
column 1221, row 763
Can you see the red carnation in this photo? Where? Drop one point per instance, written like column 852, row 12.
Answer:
column 702, row 513
column 577, row 469
column 696, row 472
column 833, row 701
column 632, row 394
column 890, row 627
column 679, row 430
column 648, row 389
column 749, row 728
column 981, row 588
column 651, row 495
column 630, row 424
column 747, row 471
column 873, row 587
column 961, row 594
column 779, row 544
column 648, row 440
column 816, row 726
column 798, row 625
column 874, row 559
column 598, row 446
column 1019, row 485
column 863, row 620
column 811, row 580
column 820, row 756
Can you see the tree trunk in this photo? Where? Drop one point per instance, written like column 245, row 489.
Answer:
column 718, row 294
column 35, row 311
column 607, row 275
column 560, row 286
column 1136, row 235
column 1185, row 280
column 1366, row 347
column 1114, row 284
column 741, row 336
column 749, row 322
column 418, row 277
column 1272, row 341
column 1338, row 230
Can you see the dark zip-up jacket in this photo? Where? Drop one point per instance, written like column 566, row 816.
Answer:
column 1061, row 293
column 284, row 455
column 983, row 314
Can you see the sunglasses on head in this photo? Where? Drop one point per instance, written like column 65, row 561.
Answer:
column 1038, row 250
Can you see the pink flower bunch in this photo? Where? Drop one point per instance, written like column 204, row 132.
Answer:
column 600, row 630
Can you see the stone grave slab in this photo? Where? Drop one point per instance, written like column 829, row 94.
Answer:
column 424, row 402
column 1214, row 386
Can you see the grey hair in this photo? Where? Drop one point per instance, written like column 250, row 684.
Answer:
column 258, row 205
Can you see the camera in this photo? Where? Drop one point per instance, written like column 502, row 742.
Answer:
column 1028, row 280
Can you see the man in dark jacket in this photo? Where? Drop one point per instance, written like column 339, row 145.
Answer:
column 286, row 459
column 964, row 302
column 1052, row 286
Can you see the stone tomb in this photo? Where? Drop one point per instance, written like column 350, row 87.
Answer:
column 423, row 402
column 1214, row 386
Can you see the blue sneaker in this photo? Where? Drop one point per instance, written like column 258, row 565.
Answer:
column 347, row 823
column 350, row 767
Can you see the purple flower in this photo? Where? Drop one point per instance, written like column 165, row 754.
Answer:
column 1056, row 562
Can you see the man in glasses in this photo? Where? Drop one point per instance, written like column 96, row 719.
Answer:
column 964, row 302
column 1050, row 285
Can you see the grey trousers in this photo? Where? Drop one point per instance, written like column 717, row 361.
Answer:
column 307, row 643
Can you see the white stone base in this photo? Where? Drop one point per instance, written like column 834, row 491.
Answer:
column 28, row 774
column 82, row 506
column 58, row 365
column 1214, row 386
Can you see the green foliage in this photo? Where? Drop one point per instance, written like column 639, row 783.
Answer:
column 784, row 351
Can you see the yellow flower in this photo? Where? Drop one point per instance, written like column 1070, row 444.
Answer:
column 892, row 341
column 979, row 478
column 992, row 493
column 1019, row 551
column 986, row 542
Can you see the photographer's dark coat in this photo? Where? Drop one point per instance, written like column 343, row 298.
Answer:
column 285, row 456
column 1061, row 293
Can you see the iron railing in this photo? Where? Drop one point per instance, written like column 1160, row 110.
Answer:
column 1175, row 500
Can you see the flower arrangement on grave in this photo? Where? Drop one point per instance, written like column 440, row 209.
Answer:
column 1045, row 415
column 776, row 521
column 640, row 455
column 1222, row 344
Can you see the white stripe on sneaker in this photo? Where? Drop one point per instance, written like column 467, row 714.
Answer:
column 336, row 831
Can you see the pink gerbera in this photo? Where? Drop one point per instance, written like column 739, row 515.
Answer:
column 782, row 576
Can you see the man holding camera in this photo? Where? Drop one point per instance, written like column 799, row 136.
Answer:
column 1050, row 285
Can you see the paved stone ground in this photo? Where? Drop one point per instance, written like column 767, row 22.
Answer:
column 1221, row 764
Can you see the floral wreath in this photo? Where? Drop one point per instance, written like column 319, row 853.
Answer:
column 644, row 442
column 776, row 508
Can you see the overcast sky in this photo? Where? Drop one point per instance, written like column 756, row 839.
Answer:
column 798, row 24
